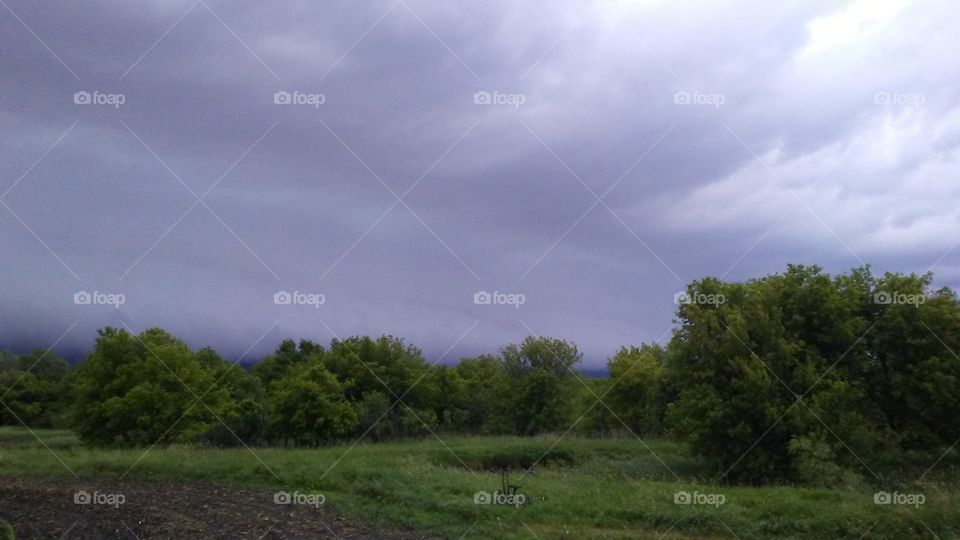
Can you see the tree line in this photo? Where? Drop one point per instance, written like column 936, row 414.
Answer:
column 799, row 376
column 151, row 388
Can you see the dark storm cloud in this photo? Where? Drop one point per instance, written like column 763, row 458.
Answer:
column 835, row 143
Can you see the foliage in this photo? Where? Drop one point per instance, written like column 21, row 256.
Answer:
column 144, row 390
column 636, row 391
column 800, row 373
column 485, row 393
column 539, row 384
column 799, row 376
column 307, row 406
column 287, row 356
column 31, row 388
column 596, row 488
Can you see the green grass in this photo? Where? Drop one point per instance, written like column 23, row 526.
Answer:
column 593, row 488
column 6, row 531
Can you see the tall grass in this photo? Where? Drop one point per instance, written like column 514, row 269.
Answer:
column 594, row 488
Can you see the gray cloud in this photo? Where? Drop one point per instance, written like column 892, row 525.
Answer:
column 836, row 142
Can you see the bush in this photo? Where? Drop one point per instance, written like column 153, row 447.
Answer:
column 144, row 390
column 32, row 387
column 307, row 406
column 763, row 384
column 539, row 384
column 637, row 394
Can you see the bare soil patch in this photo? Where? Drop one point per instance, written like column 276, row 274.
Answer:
column 45, row 508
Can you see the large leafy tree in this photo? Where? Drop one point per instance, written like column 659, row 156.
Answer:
column 385, row 369
column 555, row 356
column 31, row 388
column 446, row 397
column 385, row 364
column 242, row 416
column 540, row 384
column 486, row 395
column 307, row 406
column 636, row 390
column 762, row 384
column 913, row 372
column 287, row 356
column 144, row 389
column 740, row 368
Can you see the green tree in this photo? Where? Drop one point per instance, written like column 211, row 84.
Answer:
column 487, row 393
column 913, row 376
column 31, row 388
column 391, row 368
column 636, row 388
column 287, row 356
column 446, row 396
column 541, row 380
column 554, row 356
column 738, row 367
column 307, row 406
column 242, row 416
column 762, row 384
column 142, row 390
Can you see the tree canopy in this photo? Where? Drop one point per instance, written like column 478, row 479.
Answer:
column 798, row 376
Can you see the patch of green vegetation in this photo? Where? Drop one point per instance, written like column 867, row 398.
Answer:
column 6, row 531
column 16, row 437
column 594, row 488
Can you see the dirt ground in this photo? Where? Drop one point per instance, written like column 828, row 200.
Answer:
column 45, row 508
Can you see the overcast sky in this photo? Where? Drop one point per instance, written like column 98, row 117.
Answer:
column 620, row 150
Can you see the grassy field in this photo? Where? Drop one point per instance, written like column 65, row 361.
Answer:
column 593, row 488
